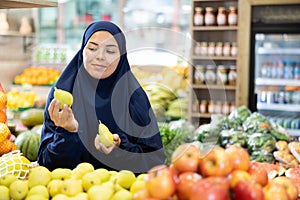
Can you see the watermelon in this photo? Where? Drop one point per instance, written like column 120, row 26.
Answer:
column 28, row 143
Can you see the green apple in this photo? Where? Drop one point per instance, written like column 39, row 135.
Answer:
column 122, row 194
column 105, row 191
column 125, row 178
column 18, row 189
column 81, row 169
column 60, row 197
column 71, row 187
column 39, row 175
column 54, row 187
column 104, row 174
column 39, row 189
column 61, row 173
column 90, row 179
column 4, row 191
column 7, row 179
column 137, row 185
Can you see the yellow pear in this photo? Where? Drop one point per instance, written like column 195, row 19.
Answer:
column 54, row 187
column 36, row 197
column 122, row 194
column 90, row 179
column 103, row 174
column 61, row 173
column 81, row 169
column 125, row 178
column 105, row 136
column 64, row 97
column 39, row 175
column 7, row 179
column 82, row 196
column 71, row 187
column 18, row 189
column 141, row 176
column 60, row 197
column 105, row 191
column 40, row 190
column 4, row 191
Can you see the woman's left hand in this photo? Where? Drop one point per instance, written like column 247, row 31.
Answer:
column 106, row 150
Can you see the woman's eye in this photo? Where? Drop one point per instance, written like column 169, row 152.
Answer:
column 110, row 51
column 92, row 49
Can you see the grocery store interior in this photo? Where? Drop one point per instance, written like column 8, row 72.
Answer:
column 230, row 64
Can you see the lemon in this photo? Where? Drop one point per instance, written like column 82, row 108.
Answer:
column 64, row 97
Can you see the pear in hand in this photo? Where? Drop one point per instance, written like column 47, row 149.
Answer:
column 105, row 136
column 64, row 97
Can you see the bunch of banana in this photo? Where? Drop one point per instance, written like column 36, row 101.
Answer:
column 178, row 108
column 14, row 163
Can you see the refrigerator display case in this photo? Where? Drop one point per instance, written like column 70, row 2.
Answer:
column 275, row 69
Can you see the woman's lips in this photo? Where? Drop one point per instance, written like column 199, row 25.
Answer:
column 99, row 66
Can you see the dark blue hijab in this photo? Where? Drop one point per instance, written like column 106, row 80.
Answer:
column 118, row 101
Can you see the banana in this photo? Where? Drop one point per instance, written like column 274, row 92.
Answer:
column 105, row 136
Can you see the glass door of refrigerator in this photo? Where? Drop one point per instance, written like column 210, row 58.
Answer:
column 277, row 78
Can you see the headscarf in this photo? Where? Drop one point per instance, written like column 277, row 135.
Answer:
column 119, row 102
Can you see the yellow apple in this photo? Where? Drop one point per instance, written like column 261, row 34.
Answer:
column 90, row 179
column 82, row 196
column 60, row 197
column 39, row 175
column 4, row 191
column 18, row 189
column 61, row 173
column 122, row 194
column 71, row 187
column 40, row 190
column 125, row 178
column 141, row 176
column 104, row 174
column 54, row 187
column 105, row 191
column 81, row 169
column 7, row 179
column 36, row 197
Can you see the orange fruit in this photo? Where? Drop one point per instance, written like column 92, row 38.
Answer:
column 3, row 100
column 4, row 132
column 5, row 146
column 14, row 147
column 3, row 116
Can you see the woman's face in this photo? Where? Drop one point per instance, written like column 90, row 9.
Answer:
column 101, row 55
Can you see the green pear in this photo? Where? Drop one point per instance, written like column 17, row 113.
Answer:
column 18, row 189
column 103, row 174
column 81, row 169
column 137, row 185
column 39, row 175
column 54, row 187
column 90, row 179
column 61, row 173
column 4, row 191
column 122, row 194
column 125, row 178
column 71, row 187
column 105, row 191
column 40, row 190
column 7, row 179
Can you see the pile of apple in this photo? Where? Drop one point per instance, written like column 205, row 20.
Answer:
column 217, row 174
column 82, row 183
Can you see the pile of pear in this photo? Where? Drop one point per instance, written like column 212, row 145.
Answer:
column 82, row 183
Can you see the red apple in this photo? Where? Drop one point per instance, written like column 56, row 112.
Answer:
column 258, row 173
column 186, row 181
column 272, row 190
column 211, row 188
column 248, row 190
column 289, row 186
column 239, row 157
column 215, row 163
column 237, row 175
column 185, row 158
column 160, row 182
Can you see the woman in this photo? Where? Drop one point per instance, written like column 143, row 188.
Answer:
column 104, row 89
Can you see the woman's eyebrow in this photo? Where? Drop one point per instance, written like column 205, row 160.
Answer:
column 107, row 45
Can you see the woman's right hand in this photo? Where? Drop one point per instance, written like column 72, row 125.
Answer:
column 64, row 117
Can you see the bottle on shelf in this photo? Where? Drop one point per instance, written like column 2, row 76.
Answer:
column 203, row 106
column 211, row 49
column 219, row 49
column 232, row 16
column 210, row 74
column 226, row 49
column 232, row 75
column 221, row 17
column 233, row 49
column 199, row 74
column 198, row 17
column 209, row 17
column 221, row 75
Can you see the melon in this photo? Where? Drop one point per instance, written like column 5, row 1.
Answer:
column 32, row 117
column 28, row 143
